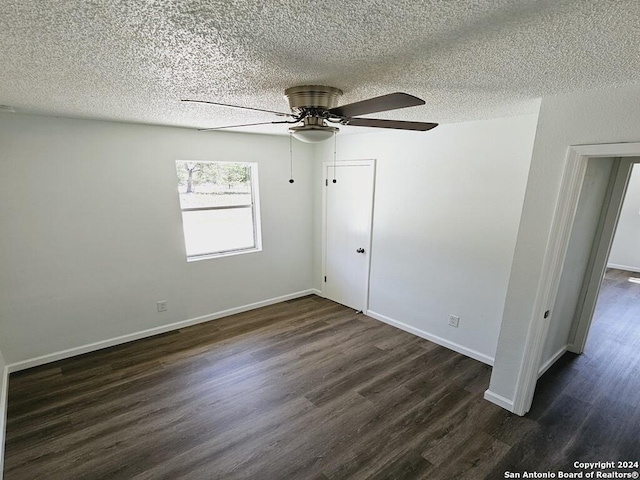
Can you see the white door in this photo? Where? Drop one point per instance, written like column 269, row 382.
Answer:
column 348, row 210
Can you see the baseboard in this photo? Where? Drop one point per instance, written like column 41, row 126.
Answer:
column 4, row 391
column 627, row 268
column 574, row 349
column 554, row 358
column 481, row 357
column 72, row 352
column 499, row 400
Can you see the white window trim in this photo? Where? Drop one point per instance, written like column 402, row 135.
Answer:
column 255, row 213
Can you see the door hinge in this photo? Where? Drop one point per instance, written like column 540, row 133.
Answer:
column 326, row 182
column 325, row 279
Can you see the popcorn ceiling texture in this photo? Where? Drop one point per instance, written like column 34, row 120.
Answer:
column 134, row 60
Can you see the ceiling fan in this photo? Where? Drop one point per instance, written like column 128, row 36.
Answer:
column 316, row 106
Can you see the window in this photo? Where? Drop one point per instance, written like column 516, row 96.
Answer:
column 220, row 214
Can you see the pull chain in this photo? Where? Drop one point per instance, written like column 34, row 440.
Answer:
column 334, row 157
column 290, row 158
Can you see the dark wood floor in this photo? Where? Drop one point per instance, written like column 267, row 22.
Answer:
column 308, row 389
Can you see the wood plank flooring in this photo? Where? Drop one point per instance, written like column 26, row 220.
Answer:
column 308, row 389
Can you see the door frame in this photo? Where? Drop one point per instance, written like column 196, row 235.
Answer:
column 369, row 243
column 570, row 188
column 600, row 251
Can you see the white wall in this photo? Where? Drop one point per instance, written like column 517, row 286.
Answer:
column 92, row 237
column 625, row 250
column 447, row 207
column 582, row 118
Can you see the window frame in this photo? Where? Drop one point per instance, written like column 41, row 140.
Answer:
column 255, row 214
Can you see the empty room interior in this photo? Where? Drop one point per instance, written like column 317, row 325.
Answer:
column 330, row 240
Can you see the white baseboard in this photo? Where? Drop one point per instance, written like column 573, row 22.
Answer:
column 499, row 400
column 481, row 357
column 627, row 268
column 72, row 352
column 4, row 391
column 574, row 349
column 554, row 358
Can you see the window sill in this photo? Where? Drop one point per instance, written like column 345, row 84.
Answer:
column 222, row 254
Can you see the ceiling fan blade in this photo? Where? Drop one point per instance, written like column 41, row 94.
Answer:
column 391, row 101
column 280, row 114
column 397, row 124
column 243, row 125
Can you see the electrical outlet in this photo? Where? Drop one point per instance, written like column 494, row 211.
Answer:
column 162, row 306
column 454, row 320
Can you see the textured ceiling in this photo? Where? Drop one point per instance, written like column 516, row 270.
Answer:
column 132, row 60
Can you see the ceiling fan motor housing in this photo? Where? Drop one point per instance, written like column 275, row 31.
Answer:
column 306, row 97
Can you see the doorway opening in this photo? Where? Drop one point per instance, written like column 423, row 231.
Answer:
column 623, row 155
column 593, row 388
column 618, row 283
column 597, row 306
column 605, row 216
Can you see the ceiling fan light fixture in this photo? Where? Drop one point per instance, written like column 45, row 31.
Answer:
column 313, row 133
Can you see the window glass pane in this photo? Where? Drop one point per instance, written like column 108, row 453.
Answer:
column 213, row 184
column 212, row 231
column 219, row 206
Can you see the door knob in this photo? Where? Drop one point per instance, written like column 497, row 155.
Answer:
column 360, row 250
